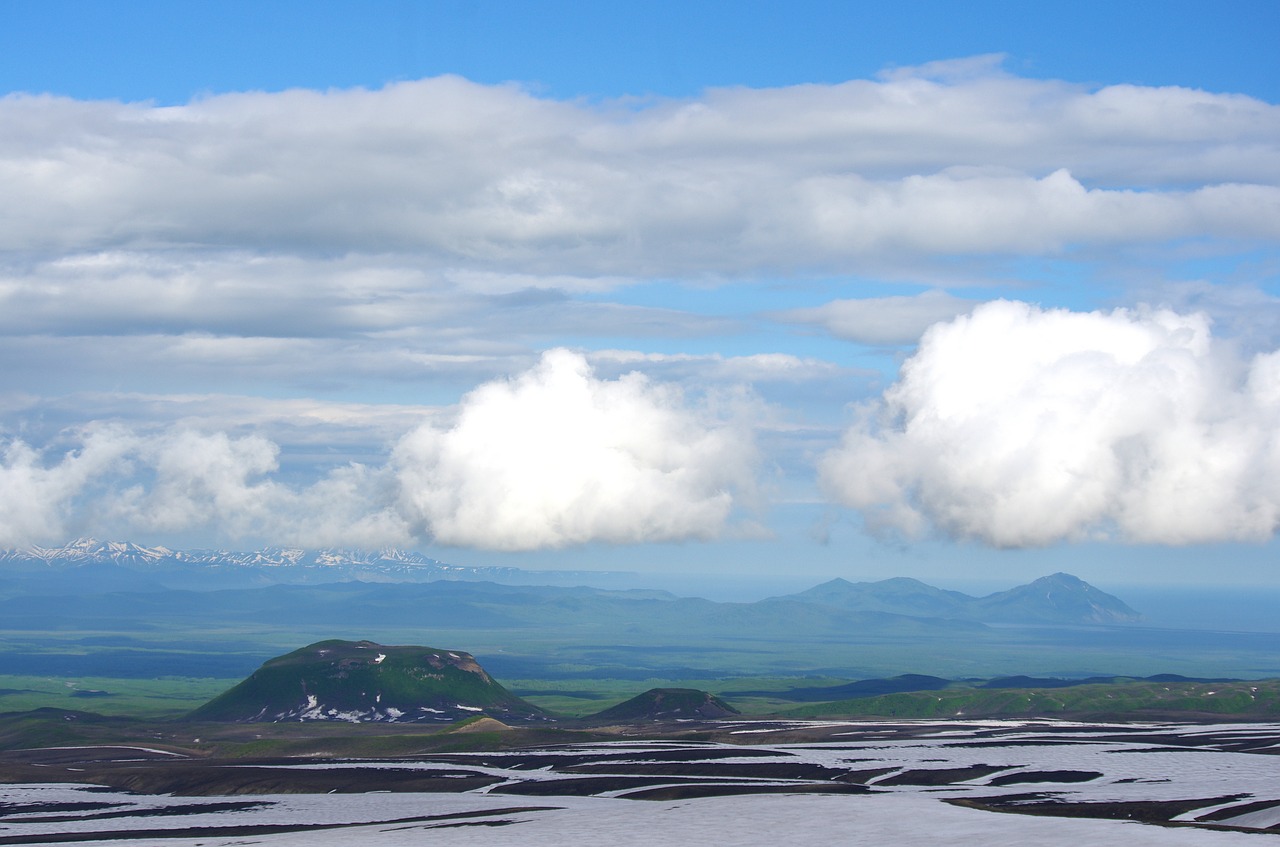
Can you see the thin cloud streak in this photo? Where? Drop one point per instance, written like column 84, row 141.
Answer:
column 900, row 319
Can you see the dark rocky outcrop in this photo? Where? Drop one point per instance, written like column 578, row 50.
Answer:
column 659, row 704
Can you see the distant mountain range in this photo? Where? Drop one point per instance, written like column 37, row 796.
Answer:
column 90, row 566
column 1056, row 599
column 125, row 610
column 91, row 551
column 123, row 565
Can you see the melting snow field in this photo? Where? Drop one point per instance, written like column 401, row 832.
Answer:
column 789, row 783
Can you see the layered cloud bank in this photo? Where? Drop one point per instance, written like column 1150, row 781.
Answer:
column 953, row 158
column 1019, row 426
column 553, row 457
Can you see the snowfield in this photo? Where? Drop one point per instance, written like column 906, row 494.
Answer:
column 864, row 783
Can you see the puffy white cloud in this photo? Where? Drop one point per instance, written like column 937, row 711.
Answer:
column 1020, row 426
column 211, row 480
column 557, row 456
column 36, row 499
column 202, row 478
column 181, row 480
column 550, row 458
column 898, row 319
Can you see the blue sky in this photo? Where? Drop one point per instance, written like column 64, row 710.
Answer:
column 171, row 52
column 967, row 292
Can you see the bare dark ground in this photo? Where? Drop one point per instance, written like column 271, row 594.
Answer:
column 126, row 835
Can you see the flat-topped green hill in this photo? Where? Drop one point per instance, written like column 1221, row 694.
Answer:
column 363, row 681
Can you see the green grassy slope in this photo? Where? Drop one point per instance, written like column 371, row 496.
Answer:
column 1260, row 698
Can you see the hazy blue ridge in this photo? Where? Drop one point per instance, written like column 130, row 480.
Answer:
column 1056, row 599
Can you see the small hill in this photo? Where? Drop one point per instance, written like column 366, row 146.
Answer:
column 474, row 725
column 363, row 681
column 666, row 704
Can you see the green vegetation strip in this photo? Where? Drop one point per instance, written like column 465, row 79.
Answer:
column 167, row 697
column 1249, row 698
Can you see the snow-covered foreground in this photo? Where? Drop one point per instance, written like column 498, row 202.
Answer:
column 897, row 819
column 840, row 784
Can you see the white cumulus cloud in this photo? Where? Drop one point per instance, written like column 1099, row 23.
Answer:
column 36, row 498
column 182, row 480
column 557, row 456
column 552, row 457
column 1020, row 426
